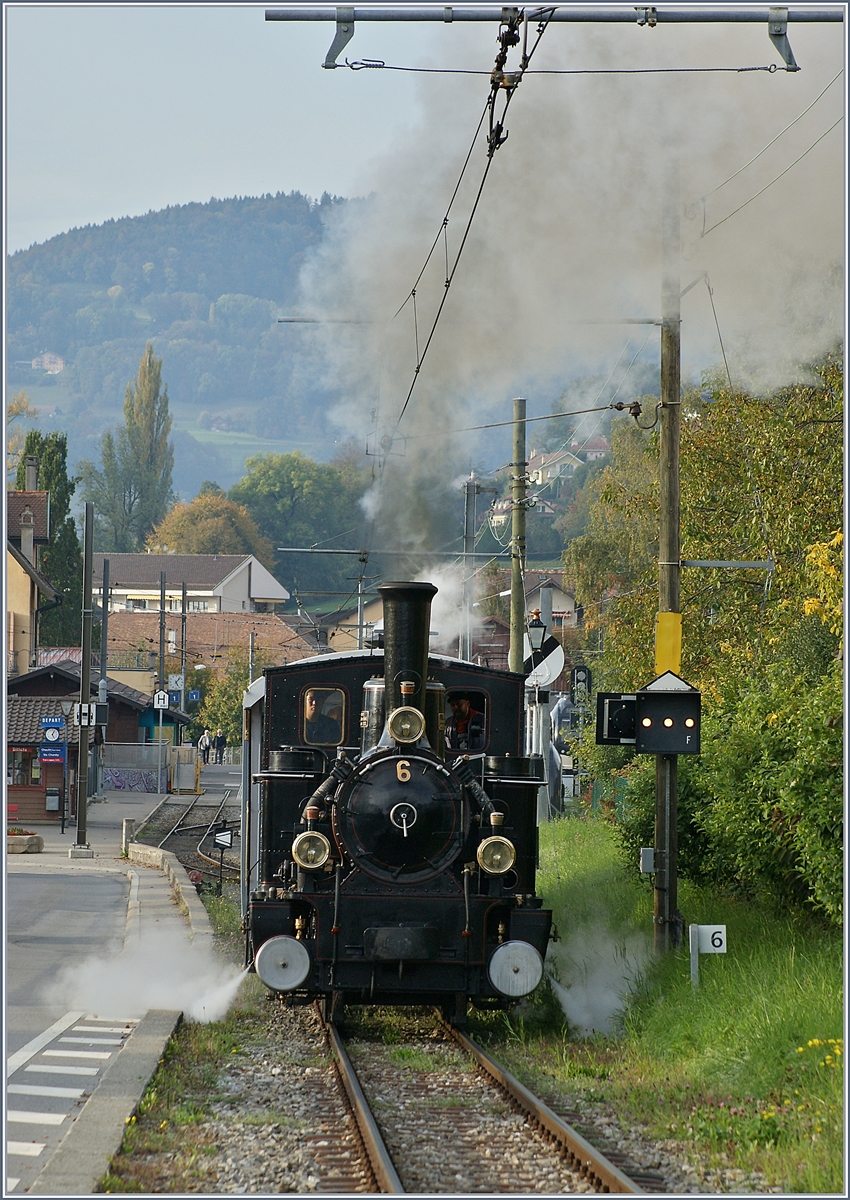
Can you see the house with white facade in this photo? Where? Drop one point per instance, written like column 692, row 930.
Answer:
column 215, row 583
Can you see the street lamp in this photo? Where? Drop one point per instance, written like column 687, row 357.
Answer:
column 536, row 631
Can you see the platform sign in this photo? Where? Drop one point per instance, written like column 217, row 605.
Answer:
column 174, row 698
column 84, row 714
column 52, row 722
column 51, row 752
column 194, row 695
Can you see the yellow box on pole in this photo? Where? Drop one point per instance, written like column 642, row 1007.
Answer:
column 668, row 642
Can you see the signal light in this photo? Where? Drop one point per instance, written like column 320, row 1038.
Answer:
column 689, row 722
column 668, row 721
column 646, row 722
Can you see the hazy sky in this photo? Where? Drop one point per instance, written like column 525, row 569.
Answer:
column 113, row 110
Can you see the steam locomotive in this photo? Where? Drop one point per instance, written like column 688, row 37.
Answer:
column 392, row 842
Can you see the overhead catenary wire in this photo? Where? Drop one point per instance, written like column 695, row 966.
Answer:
column 776, row 178
column 774, row 140
column 494, row 141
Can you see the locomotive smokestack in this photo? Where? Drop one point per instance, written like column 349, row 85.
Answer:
column 407, row 621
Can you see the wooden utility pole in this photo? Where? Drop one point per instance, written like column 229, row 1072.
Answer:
column 666, row 917
column 518, row 539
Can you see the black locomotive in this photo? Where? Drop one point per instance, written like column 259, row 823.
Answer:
column 397, row 846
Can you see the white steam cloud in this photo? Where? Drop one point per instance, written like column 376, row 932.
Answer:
column 593, row 974
column 159, row 971
column 568, row 232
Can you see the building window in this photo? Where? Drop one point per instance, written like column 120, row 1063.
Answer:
column 197, row 606
column 135, row 604
column 23, row 768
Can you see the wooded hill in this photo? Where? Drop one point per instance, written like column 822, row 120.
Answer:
column 205, row 283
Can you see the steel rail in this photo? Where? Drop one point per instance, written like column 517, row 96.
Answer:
column 200, row 852
column 376, row 1150
column 589, row 1161
column 180, row 821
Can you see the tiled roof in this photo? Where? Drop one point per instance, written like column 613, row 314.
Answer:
column 203, row 571
column 71, row 671
column 23, row 719
column 39, row 505
column 212, row 633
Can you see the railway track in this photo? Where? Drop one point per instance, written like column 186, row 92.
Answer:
column 436, row 1113
column 187, row 828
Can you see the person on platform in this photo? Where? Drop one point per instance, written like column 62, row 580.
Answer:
column 318, row 728
column 219, row 743
column 465, row 727
column 205, row 745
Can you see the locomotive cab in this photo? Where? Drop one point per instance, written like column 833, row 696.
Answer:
column 399, row 870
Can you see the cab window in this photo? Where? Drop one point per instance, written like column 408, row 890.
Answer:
column 322, row 716
column 466, row 720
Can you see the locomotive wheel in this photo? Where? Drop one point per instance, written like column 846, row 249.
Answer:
column 455, row 1011
column 334, row 1008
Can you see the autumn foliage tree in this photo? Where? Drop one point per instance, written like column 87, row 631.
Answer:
column 210, row 524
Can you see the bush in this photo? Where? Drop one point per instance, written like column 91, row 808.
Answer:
column 760, row 810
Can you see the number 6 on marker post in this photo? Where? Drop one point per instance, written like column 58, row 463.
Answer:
column 712, row 939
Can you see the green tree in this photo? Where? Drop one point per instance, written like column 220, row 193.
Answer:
column 298, row 502
column 61, row 561
column 132, row 490
column 222, row 702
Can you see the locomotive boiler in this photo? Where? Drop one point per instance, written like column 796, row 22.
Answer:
column 394, row 842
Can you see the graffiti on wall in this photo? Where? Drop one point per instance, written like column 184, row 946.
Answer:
column 131, row 779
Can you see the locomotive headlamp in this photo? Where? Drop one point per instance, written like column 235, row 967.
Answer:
column 311, row 850
column 406, row 725
column 496, row 855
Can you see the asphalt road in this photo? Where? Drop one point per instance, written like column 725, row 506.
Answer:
column 51, row 921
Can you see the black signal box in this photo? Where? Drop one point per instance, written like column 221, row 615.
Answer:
column 667, row 722
column 615, row 719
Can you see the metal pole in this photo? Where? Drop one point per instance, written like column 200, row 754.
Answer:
column 104, row 620
column 518, row 480
column 162, row 679
column 666, row 917
column 183, row 647
column 251, row 658
column 470, row 491
column 361, row 633
column 85, row 680
column 64, row 779
column 544, row 708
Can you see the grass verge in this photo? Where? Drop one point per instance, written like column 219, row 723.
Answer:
column 180, row 1096
column 746, row 1071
